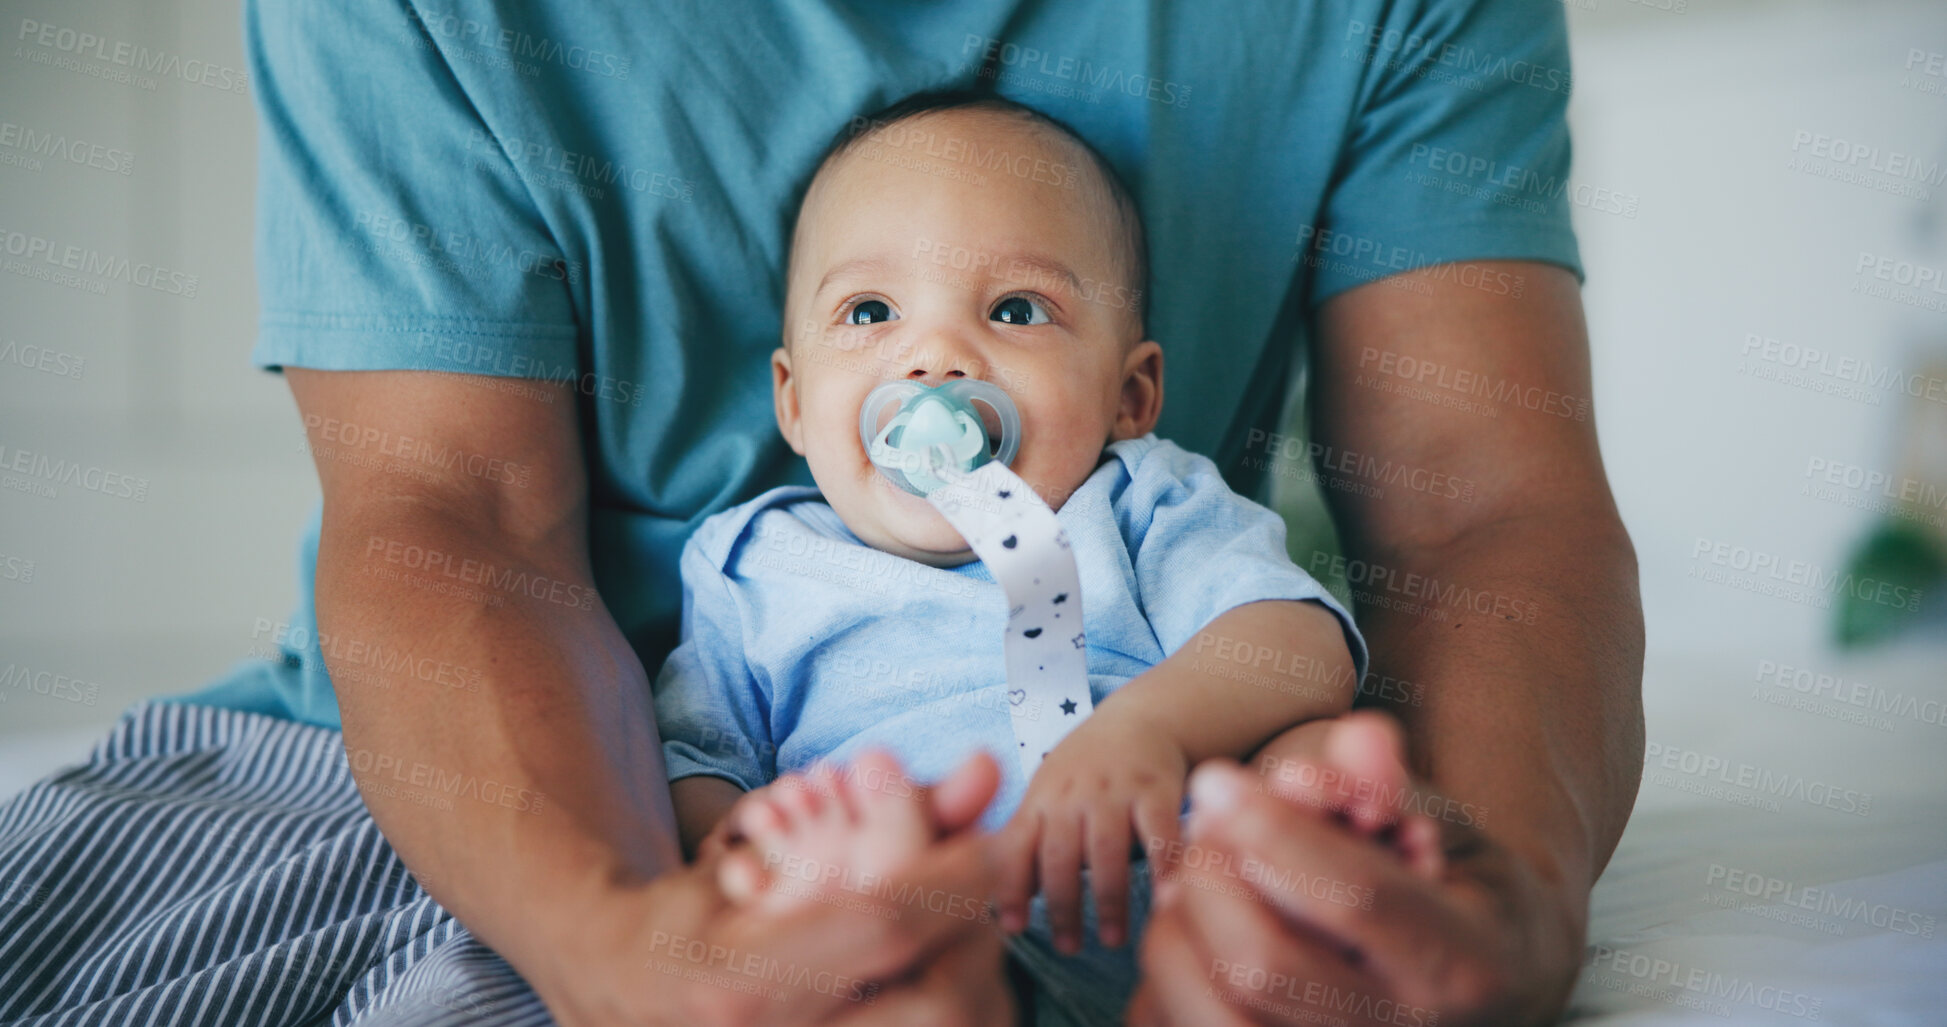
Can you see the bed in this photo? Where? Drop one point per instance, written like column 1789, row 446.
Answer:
column 1718, row 907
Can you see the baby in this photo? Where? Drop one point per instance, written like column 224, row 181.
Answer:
column 951, row 238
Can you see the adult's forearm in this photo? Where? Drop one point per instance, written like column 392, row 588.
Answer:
column 1524, row 631
column 1526, row 653
column 554, row 708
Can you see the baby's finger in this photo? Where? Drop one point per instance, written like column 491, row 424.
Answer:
column 1061, row 879
column 1157, row 816
column 1017, row 847
column 1108, row 873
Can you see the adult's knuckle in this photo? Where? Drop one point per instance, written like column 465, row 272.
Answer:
column 1250, row 948
column 891, row 942
column 1363, row 881
column 1472, row 986
column 716, row 1007
column 1257, row 822
column 944, row 1013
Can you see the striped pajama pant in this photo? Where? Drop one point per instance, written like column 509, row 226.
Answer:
column 206, row 866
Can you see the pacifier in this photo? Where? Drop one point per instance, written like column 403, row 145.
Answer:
column 913, row 433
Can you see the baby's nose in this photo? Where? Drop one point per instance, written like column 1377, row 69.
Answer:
column 932, row 370
column 932, row 379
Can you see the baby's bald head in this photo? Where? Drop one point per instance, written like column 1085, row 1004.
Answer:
column 980, row 137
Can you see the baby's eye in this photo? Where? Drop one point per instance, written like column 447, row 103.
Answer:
column 1019, row 310
column 870, row 312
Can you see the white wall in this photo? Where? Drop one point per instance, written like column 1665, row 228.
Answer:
column 1698, row 113
column 158, row 595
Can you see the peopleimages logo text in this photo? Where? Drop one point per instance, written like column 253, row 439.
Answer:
column 86, row 261
column 129, row 55
column 1764, row 781
column 1802, row 573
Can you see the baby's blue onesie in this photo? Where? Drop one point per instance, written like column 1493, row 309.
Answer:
column 800, row 643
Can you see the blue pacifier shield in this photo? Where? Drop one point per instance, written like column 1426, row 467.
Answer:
column 911, row 432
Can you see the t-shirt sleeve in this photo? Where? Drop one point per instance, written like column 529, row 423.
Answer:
column 1200, row 549
column 392, row 231
column 713, row 713
column 1459, row 150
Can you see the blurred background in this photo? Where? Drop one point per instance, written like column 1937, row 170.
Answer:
column 1762, row 208
column 1714, row 140
column 1725, row 157
column 154, row 591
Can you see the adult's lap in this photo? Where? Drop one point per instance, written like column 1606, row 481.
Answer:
column 206, row 866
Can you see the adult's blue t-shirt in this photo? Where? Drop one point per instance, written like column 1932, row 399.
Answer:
column 601, row 193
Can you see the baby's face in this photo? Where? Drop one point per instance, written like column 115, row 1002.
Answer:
column 947, row 270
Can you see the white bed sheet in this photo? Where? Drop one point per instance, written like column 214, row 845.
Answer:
column 1872, row 947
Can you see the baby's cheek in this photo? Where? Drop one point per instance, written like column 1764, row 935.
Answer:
column 1059, row 472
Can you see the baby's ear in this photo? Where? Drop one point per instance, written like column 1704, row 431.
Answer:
column 1142, row 391
column 784, row 398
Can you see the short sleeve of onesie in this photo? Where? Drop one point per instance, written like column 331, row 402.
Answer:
column 1200, row 549
column 710, row 707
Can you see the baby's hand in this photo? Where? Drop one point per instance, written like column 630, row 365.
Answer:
column 1112, row 782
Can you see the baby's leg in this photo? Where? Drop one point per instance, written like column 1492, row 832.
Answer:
column 819, row 836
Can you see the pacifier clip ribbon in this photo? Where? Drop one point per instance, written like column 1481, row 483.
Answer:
column 1025, row 547
column 934, row 442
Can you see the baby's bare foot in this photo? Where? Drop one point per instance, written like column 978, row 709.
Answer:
column 831, row 831
column 1352, row 768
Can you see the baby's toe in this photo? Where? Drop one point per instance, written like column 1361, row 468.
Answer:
column 885, row 800
column 837, row 794
column 739, row 876
column 800, row 800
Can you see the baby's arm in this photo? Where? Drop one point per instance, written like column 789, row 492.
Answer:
column 1254, row 672
column 1250, row 674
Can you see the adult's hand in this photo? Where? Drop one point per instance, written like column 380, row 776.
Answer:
column 921, row 949
column 684, row 957
column 1506, row 633
column 1294, row 902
